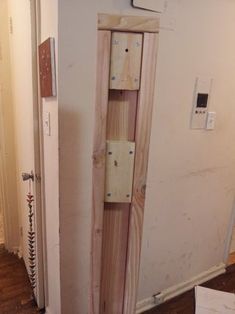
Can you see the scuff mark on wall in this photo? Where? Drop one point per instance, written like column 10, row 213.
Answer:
column 202, row 172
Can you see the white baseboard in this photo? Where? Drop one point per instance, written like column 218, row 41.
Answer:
column 176, row 290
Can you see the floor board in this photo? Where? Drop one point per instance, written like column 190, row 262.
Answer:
column 16, row 295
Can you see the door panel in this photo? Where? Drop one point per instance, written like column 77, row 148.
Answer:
column 23, row 55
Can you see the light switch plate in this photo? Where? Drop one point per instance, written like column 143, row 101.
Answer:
column 47, row 123
column 211, row 118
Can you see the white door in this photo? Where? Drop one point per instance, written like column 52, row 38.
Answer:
column 23, row 44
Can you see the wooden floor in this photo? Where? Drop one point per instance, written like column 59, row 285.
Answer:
column 16, row 294
column 15, row 290
column 185, row 304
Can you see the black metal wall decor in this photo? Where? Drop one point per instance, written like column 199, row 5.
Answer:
column 31, row 242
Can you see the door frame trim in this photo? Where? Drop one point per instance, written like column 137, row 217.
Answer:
column 35, row 11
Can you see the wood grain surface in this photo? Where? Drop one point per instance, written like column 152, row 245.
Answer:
column 127, row 23
column 142, row 138
column 99, row 148
column 16, row 295
column 121, row 126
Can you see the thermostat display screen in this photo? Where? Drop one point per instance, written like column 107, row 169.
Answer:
column 202, row 100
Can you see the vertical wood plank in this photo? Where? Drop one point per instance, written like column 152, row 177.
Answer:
column 121, row 126
column 143, row 130
column 121, row 115
column 116, row 222
column 103, row 57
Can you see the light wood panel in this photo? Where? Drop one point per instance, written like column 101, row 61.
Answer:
column 121, row 126
column 143, row 130
column 116, row 222
column 103, row 57
column 126, row 23
column 122, row 115
column 120, row 157
column 126, row 53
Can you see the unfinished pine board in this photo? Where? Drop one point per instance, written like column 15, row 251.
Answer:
column 126, row 53
column 120, row 156
column 116, row 221
column 122, row 115
column 121, row 125
column 128, row 23
column 143, row 131
column 103, row 57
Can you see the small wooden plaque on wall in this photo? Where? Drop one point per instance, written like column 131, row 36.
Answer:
column 47, row 68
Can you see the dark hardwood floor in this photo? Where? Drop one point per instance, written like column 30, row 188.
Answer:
column 185, row 304
column 16, row 295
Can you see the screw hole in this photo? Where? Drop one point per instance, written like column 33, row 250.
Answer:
column 110, row 153
column 126, row 49
column 128, row 195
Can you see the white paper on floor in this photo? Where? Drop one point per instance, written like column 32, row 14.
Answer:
column 210, row 301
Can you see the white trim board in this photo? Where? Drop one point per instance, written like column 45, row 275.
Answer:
column 176, row 290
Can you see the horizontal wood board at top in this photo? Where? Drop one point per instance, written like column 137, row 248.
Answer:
column 127, row 23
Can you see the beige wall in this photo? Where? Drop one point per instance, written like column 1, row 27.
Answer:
column 191, row 180
column 7, row 145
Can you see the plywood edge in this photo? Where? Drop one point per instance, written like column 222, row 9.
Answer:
column 128, row 23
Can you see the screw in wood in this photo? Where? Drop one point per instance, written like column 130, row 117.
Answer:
column 130, row 152
column 113, row 78
column 128, row 195
column 109, row 194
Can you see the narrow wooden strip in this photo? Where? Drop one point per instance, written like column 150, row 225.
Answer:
column 116, row 221
column 128, row 23
column 143, row 130
column 103, row 57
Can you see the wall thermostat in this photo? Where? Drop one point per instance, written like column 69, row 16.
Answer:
column 200, row 103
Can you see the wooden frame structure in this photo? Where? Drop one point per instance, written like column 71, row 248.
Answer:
column 120, row 115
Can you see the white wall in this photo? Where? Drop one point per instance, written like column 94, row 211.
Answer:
column 49, row 28
column 7, row 141
column 191, row 180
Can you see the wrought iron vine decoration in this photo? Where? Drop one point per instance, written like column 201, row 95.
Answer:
column 31, row 242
